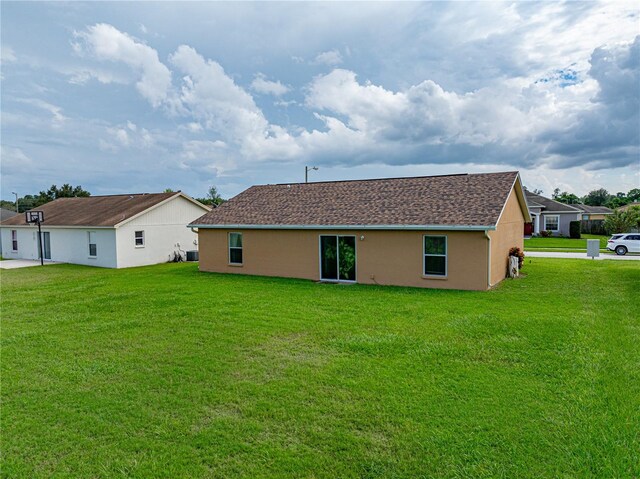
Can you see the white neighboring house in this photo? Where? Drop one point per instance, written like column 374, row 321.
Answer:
column 116, row 231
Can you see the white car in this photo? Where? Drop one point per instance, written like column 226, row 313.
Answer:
column 624, row 243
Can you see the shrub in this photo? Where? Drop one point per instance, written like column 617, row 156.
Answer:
column 574, row 229
column 515, row 251
column 622, row 221
column 546, row 234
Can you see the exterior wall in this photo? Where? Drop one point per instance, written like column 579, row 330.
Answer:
column 563, row 224
column 596, row 216
column 508, row 233
column 165, row 231
column 68, row 245
column 382, row 257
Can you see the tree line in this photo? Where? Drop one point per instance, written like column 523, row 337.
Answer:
column 29, row 202
column 599, row 197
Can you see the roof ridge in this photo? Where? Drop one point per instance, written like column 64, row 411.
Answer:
column 124, row 194
column 388, row 178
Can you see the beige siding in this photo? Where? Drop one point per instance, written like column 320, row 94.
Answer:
column 508, row 233
column 383, row 257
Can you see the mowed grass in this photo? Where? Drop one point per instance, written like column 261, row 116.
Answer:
column 167, row 372
column 552, row 243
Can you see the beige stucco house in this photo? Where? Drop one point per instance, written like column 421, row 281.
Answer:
column 450, row 232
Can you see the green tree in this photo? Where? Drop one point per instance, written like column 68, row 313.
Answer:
column 622, row 221
column 567, row 198
column 65, row 191
column 213, row 198
column 596, row 197
column 633, row 195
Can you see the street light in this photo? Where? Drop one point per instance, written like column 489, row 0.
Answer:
column 14, row 193
column 307, row 169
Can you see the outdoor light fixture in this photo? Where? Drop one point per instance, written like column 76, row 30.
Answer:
column 307, row 169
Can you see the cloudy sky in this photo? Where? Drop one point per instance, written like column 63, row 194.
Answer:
column 133, row 97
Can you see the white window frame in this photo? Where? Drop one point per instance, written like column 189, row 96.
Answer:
column 14, row 241
column 135, row 239
column 551, row 216
column 89, row 243
column 446, row 257
column 229, row 248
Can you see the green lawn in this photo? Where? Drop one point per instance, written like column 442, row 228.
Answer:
column 167, row 372
column 539, row 243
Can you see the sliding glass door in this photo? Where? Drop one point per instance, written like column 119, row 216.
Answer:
column 46, row 245
column 337, row 258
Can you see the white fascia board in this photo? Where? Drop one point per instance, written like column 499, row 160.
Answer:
column 517, row 181
column 157, row 205
column 563, row 212
column 348, row 227
column 46, row 226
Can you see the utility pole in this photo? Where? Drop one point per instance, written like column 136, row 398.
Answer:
column 14, row 193
column 307, row 169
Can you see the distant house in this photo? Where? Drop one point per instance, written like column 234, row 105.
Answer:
column 433, row 232
column 590, row 213
column 115, row 231
column 5, row 215
column 550, row 215
column 626, row 207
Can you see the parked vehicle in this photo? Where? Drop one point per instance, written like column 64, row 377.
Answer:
column 624, row 243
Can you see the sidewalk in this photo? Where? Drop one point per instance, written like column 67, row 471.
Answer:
column 22, row 263
column 546, row 254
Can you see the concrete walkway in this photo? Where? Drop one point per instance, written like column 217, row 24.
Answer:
column 22, row 263
column 546, row 254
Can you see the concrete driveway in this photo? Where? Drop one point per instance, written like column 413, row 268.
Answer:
column 22, row 263
column 547, row 254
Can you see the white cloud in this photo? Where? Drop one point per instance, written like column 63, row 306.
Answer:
column 57, row 118
column 15, row 161
column 207, row 157
column 331, row 58
column 7, row 54
column 80, row 76
column 260, row 84
column 106, row 42
column 126, row 136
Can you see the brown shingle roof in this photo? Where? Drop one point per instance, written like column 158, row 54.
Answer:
column 463, row 200
column 93, row 210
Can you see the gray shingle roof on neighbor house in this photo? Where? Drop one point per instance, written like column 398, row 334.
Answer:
column 105, row 211
column 550, row 205
column 453, row 200
column 602, row 210
column 6, row 214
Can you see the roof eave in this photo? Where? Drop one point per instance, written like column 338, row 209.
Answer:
column 347, row 227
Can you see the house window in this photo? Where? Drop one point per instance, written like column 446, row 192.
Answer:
column 435, row 255
column 93, row 247
column 552, row 223
column 585, row 217
column 235, row 248
column 139, row 239
column 14, row 240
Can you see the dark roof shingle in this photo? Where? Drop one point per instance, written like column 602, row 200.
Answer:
column 6, row 214
column 93, row 210
column 549, row 204
column 603, row 210
column 464, row 200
